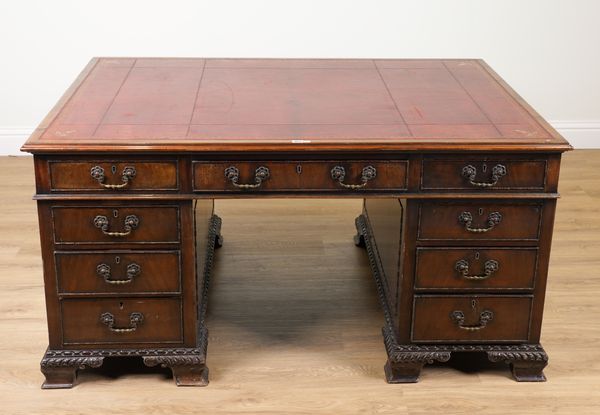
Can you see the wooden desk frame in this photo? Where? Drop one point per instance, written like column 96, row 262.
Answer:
column 485, row 198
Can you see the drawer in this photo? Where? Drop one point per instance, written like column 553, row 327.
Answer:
column 476, row 268
column 364, row 175
column 116, row 224
column 479, row 221
column 121, row 320
column 301, row 175
column 483, row 174
column 118, row 272
column 115, row 175
column 465, row 319
column 264, row 176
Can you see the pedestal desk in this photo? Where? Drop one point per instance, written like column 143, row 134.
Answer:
column 458, row 175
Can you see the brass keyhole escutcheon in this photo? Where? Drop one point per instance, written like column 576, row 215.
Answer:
column 484, row 167
column 299, row 169
column 480, row 211
column 477, row 255
column 115, row 213
column 117, row 260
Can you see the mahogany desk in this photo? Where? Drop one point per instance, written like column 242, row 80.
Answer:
column 458, row 175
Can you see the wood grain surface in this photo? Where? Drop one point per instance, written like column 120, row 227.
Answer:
column 294, row 320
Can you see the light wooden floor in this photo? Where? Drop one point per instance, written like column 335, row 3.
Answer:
column 294, row 321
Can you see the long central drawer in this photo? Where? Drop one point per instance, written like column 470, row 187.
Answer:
column 281, row 176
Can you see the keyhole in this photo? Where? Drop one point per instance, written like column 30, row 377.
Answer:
column 480, row 211
column 477, row 255
column 299, row 169
column 473, row 303
column 115, row 213
column 113, row 169
column 117, row 260
column 484, row 167
column 121, row 305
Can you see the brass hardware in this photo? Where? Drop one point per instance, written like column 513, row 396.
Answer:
column 338, row 173
column 469, row 172
column 131, row 222
column 97, row 173
column 458, row 317
column 134, row 320
column 261, row 174
column 466, row 218
column 104, row 271
column 490, row 266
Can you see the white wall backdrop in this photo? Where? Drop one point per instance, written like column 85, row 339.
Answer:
column 548, row 50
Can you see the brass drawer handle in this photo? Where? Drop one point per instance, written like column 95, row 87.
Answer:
column 469, row 172
column 490, row 266
column 458, row 317
column 338, row 173
column 97, row 173
column 134, row 320
column 131, row 222
column 104, row 271
column 493, row 219
column 261, row 174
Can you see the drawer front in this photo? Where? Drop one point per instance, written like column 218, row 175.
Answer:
column 465, row 319
column 118, row 224
column 479, row 221
column 367, row 175
column 483, row 174
column 118, row 272
column 121, row 320
column 301, row 175
column 261, row 176
column 476, row 268
column 113, row 176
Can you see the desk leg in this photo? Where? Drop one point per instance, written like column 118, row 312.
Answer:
column 527, row 364
column 60, row 368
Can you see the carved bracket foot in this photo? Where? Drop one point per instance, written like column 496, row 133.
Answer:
column 61, row 371
column 188, row 370
column 527, row 365
column 406, row 372
column 406, row 361
column 359, row 238
column 215, row 231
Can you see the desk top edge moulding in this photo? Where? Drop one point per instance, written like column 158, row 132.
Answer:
column 458, row 176
column 196, row 104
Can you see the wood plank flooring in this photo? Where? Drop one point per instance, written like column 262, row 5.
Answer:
column 295, row 324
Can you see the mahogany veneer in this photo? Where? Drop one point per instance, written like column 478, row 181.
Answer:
column 458, row 173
